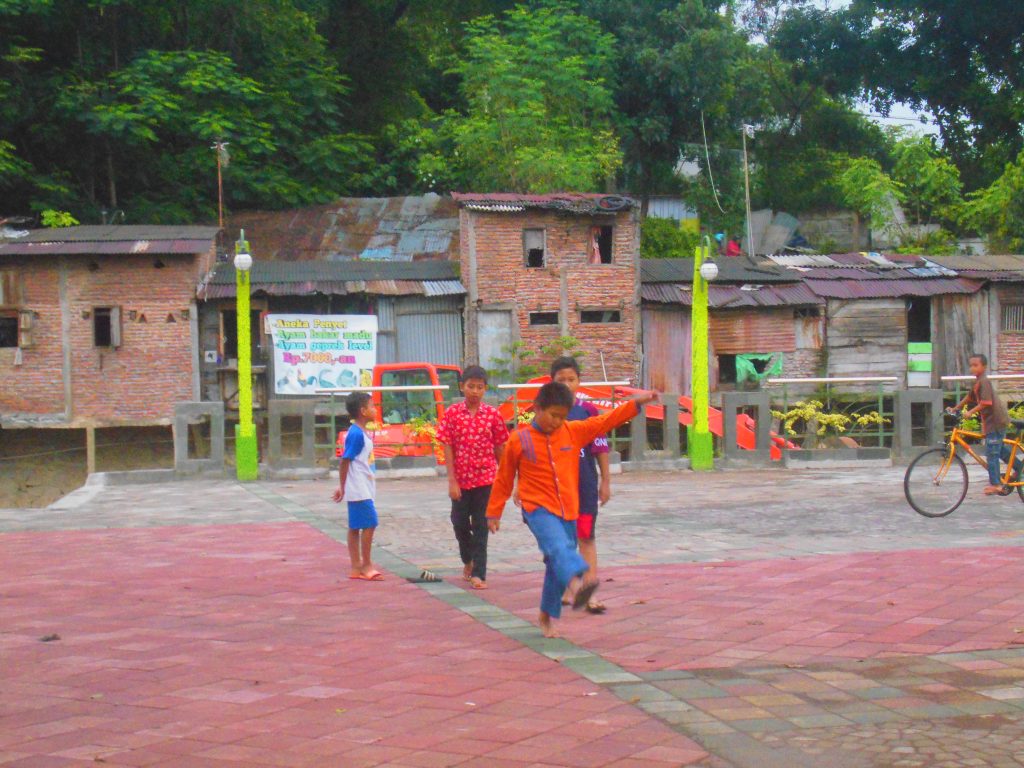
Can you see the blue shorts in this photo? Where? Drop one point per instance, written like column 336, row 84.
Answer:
column 362, row 514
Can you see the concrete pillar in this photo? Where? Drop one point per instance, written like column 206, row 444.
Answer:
column 671, row 425
column 903, row 442
column 190, row 413
column 90, row 450
column 277, row 410
column 732, row 404
column 638, row 437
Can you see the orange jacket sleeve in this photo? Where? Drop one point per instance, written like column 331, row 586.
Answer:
column 506, row 478
column 583, row 432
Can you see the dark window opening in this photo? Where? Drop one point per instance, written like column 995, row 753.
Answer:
column 919, row 320
column 600, row 316
column 601, row 245
column 805, row 312
column 543, row 318
column 229, row 330
column 533, row 247
column 727, row 369
column 102, row 327
column 8, row 330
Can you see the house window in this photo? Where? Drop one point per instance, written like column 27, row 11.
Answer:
column 600, row 316
column 1013, row 317
column 601, row 245
column 543, row 318
column 919, row 320
column 803, row 313
column 727, row 369
column 106, row 326
column 533, row 247
column 229, row 334
column 8, row 329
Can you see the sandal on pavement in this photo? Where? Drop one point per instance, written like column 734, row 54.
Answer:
column 583, row 595
column 596, row 607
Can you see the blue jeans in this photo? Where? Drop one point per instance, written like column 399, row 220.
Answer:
column 557, row 541
column 996, row 449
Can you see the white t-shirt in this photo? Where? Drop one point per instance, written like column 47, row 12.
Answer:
column 360, row 484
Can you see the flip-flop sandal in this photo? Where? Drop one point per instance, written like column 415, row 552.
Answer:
column 373, row 576
column 478, row 584
column 596, row 607
column 583, row 595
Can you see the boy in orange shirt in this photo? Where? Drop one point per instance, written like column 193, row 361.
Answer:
column 545, row 456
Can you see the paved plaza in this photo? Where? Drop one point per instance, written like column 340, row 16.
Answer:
column 757, row 619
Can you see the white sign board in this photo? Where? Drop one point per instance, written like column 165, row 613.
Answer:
column 314, row 352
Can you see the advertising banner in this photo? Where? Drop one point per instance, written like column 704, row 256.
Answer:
column 314, row 352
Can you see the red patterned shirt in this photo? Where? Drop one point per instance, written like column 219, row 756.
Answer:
column 473, row 438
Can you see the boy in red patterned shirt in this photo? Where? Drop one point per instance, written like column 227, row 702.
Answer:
column 474, row 435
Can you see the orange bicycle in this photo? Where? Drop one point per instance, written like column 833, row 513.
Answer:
column 936, row 481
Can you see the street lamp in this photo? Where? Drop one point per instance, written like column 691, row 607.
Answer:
column 246, row 451
column 699, row 441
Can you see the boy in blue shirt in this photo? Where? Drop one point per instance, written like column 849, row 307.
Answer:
column 595, row 491
column 357, row 486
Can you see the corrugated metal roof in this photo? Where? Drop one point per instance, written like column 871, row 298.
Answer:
column 730, row 270
column 324, row 271
column 116, row 233
column 406, row 229
column 275, row 278
column 573, row 202
column 98, row 248
column 1000, row 268
column 891, row 288
column 113, row 239
column 734, row 296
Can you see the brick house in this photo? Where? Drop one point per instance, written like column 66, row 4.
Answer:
column 97, row 324
column 537, row 267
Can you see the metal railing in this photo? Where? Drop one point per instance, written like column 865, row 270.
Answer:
column 881, row 433
column 331, row 416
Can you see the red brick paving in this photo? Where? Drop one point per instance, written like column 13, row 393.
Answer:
column 788, row 610
column 245, row 645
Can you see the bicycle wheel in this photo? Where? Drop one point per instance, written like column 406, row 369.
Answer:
column 932, row 488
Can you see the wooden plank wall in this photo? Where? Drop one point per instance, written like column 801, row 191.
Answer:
column 960, row 328
column 867, row 337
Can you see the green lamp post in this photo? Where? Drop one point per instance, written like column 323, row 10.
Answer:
column 700, row 442
column 246, row 451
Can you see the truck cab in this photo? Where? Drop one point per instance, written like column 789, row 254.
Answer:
column 405, row 407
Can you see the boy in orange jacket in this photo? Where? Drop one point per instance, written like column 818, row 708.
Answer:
column 545, row 456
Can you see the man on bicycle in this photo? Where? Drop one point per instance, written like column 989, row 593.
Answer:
column 984, row 400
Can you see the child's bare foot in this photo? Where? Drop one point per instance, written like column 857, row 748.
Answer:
column 478, row 583
column 992, row 490
column 467, row 571
column 546, row 626
column 356, row 573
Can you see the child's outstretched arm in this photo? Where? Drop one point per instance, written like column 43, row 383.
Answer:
column 503, row 484
column 583, row 432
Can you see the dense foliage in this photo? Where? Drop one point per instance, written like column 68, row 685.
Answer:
column 115, row 105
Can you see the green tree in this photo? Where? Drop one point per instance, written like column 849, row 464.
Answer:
column 115, row 104
column 930, row 182
column 677, row 61
column 665, row 239
column 998, row 210
column 539, row 109
column 869, row 191
column 957, row 58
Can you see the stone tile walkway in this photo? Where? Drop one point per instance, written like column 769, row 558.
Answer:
column 246, row 645
column 764, row 620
